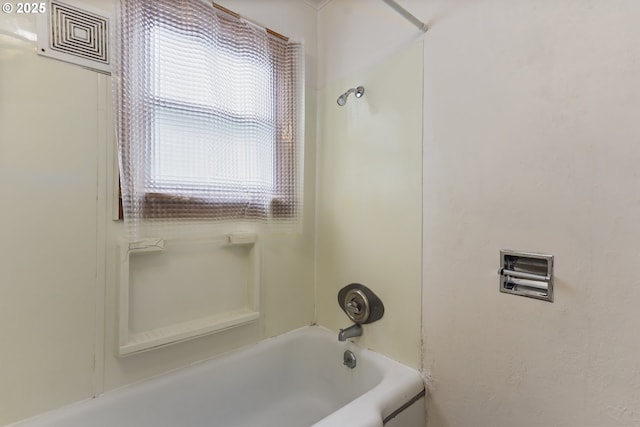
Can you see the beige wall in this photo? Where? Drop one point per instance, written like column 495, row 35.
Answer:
column 531, row 143
column 58, row 266
column 48, row 223
column 370, row 201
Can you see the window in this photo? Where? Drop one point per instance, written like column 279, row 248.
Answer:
column 210, row 116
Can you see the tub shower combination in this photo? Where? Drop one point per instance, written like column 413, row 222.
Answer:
column 303, row 378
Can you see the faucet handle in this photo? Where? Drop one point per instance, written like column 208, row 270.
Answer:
column 353, row 307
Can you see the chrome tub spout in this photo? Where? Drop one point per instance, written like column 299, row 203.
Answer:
column 351, row 332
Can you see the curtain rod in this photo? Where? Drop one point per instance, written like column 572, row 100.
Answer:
column 402, row 11
column 391, row 3
column 237, row 16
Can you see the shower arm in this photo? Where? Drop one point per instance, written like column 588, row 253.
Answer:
column 408, row 16
column 342, row 99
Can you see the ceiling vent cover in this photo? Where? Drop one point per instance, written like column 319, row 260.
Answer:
column 76, row 34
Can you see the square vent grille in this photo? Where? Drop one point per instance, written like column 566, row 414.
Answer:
column 76, row 34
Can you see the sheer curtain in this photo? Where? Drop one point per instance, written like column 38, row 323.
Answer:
column 210, row 117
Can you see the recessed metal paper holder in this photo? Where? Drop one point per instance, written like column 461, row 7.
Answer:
column 526, row 274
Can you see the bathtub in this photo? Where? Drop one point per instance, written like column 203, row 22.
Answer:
column 295, row 380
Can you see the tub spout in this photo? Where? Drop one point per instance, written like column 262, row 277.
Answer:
column 350, row 332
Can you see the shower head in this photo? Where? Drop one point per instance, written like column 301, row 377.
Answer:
column 342, row 99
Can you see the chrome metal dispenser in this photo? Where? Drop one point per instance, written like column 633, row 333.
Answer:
column 526, row 274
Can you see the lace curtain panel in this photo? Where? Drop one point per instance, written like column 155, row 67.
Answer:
column 210, row 118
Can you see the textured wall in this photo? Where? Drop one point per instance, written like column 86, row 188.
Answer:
column 532, row 144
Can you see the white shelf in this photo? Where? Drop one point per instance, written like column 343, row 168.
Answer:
column 135, row 342
column 172, row 334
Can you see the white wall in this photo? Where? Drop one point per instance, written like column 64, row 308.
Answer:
column 531, row 143
column 58, row 267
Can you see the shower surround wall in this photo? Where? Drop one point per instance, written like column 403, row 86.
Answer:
column 531, row 143
column 58, row 269
column 370, row 201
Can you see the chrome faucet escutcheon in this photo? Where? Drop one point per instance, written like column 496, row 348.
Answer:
column 361, row 305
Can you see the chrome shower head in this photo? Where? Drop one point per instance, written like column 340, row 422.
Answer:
column 342, row 99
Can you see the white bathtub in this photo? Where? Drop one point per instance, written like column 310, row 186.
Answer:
column 294, row 380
